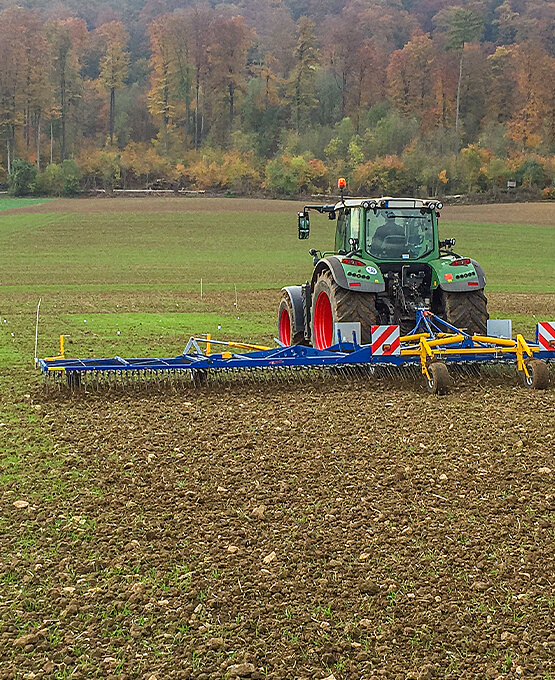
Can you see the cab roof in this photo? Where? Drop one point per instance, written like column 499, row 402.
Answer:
column 388, row 202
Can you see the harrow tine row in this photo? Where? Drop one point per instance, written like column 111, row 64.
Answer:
column 439, row 359
column 177, row 380
column 184, row 380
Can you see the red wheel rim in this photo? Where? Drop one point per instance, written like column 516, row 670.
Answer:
column 323, row 321
column 285, row 327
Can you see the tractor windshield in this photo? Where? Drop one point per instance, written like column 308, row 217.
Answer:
column 399, row 234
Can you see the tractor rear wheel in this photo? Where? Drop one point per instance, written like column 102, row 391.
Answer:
column 467, row 311
column 332, row 304
column 286, row 323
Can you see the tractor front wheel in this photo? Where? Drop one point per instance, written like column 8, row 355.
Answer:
column 286, row 323
column 332, row 304
column 466, row 311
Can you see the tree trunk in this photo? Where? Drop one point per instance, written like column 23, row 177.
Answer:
column 165, row 119
column 197, row 101
column 231, row 90
column 63, row 114
column 112, row 114
column 459, row 99
column 38, row 141
column 343, row 94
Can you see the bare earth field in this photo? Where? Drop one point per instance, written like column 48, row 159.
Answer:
column 508, row 213
column 333, row 529
column 355, row 529
column 157, row 204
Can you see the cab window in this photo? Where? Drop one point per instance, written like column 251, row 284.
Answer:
column 342, row 233
column 406, row 235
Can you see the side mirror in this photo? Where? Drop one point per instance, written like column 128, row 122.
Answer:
column 448, row 243
column 304, row 225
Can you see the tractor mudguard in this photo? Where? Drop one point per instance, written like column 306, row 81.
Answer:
column 295, row 294
column 458, row 279
column 363, row 279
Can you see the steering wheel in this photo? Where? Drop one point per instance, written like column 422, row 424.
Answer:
column 392, row 245
column 394, row 239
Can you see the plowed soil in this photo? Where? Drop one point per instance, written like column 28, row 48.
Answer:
column 507, row 213
column 347, row 529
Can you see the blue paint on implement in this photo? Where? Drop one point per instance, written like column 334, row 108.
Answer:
column 431, row 341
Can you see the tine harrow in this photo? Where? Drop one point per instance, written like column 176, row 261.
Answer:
column 434, row 350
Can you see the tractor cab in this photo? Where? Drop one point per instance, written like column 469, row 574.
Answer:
column 395, row 231
column 382, row 230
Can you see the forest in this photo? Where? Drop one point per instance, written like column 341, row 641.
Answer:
column 278, row 97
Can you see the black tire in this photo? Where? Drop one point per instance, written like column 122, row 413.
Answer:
column 346, row 307
column 539, row 375
column 466, row 311
column 286, row 323
column 440, row 380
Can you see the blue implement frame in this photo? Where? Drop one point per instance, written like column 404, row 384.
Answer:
column 432, row 340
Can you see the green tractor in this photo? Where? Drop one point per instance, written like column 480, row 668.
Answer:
column 387, row 263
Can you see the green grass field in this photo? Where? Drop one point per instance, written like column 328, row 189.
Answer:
column 8, row 203
column 140, row 273
column 515, row 257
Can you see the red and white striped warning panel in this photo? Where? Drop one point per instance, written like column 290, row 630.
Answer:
column 546, row 335
column 386, row 340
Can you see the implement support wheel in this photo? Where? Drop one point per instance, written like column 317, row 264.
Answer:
column 440, row 380
column 539, row 375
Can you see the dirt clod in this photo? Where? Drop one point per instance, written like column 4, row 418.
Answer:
column 241, row 670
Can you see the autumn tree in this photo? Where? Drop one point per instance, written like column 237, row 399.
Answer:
column 24, row 91
column 227, row 56
column 114, row 64
column 502, row 85
column 199, row 20
column 301, row 81
column 275, row 32
column 263, row 110
column 410, row 79
column 444, row 85
column 388, row 23
column 339, row 55
column 367, row 80
column 181, row 39
column 461, row 25
column 67, row 39
column 535, row 96
column 162, row 76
